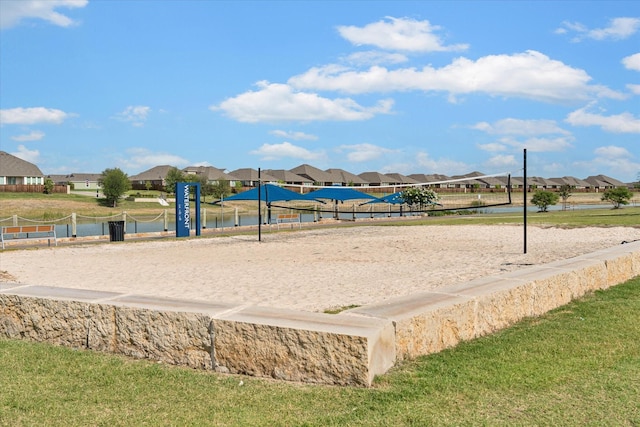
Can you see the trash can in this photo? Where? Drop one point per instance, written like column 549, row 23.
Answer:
column 116, row 231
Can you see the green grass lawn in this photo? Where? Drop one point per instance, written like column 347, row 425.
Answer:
column 577, row 365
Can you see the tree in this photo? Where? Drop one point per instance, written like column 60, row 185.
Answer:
column 565, row 193
column 174, row 175
column 48, row 186
column 115, row 184
column 221, row 189
column 420, row 196
column 618, row 196
column 543, row 199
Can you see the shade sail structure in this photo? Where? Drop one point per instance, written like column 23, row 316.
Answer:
column 338, row 193
column 394, row 199
column 268, row 193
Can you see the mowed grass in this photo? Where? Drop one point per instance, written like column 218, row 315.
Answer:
column 578, row 365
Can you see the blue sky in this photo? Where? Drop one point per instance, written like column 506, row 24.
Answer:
column 402, row 86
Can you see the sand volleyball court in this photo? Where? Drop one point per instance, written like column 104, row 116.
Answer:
column 313, row 269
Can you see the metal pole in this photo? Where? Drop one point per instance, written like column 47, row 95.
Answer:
column 524, row 210
column 259, row 208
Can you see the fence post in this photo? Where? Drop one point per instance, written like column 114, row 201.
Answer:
column 204, row 217
column 15, row 219
column 166, row 221
column 237, row 219
column 74, row 224
column 124, row 219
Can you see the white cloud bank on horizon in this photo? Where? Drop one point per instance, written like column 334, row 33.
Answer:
column 14, row 12
column 139, row 158
column 365, row 152
column 286, row 149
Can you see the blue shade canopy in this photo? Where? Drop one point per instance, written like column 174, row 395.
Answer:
column 338, row 193
column 268, row 193
column 395, row 199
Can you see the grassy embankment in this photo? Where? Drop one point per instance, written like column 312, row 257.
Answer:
column 578, row 365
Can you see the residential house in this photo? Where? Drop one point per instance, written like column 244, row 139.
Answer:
column 249, row 177
column 345, row 178
column 434, row 180
column 575, row 183
column 377, row 179
column 151, row 179
column 289, row 178
column 15, row 171
column 319, row 177
column 603, row 182
column 401, row 179
column 78, row 181
column 211, row 174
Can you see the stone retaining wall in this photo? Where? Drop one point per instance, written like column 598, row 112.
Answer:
column 345, row 349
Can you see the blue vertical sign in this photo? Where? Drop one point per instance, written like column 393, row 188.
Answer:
column 183, row 208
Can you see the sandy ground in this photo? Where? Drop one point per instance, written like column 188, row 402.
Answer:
column 311, row 270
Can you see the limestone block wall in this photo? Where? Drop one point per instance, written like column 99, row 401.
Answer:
column 287, row 345
column 345, row 349
column 432, row 321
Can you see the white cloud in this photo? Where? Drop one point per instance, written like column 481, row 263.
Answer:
column 30, row 116
column 142, row 158
column 25, row 154
column 403, row 34
column 375, row 57
column 618, row 123
column 279, row 102
column 613, row 161
column 286, row 149
column 612, row 152
column 632, row 62
column 12, row 12
column 363, row 152
column 517, row 134
column 618, row 29
column 441, row 166
column 31, row 136
column 501, row 161
column 492, row 147
column 297, row 136
column 539, row 145
column 635, row 89
column 530, row 74
column 521, row 127
column 134, row 114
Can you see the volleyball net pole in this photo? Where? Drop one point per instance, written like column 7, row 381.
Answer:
column 525, row 189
